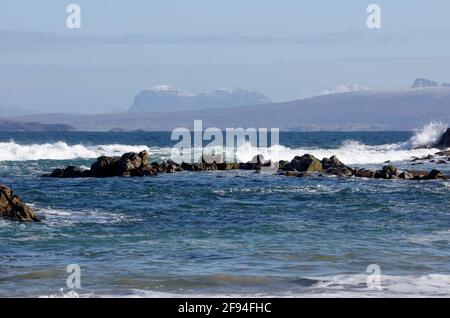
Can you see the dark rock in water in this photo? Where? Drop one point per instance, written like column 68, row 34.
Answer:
column 130, row 164
column 282, row 164
column 364, row 173
column 69, row 172
column 381, row 174
column 406, row 175
column 441, row 162
column 418, row 175
column 332, row 162
column 168, row 167
column 435, row 174
column 305, row 163
column 12, row 206
column 443, row 153
column 256, row 163
column 228, row 166
column 198, row 166
column 340, row 171
column 444, row 142
column 387, row 172
column 391, row 171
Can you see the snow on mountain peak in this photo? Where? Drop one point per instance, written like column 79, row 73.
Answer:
column 345, row 88
column 162, row 88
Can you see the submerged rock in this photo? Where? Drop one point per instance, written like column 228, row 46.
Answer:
column 70, row 172
column 12, row 206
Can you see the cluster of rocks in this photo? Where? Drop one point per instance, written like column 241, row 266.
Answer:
column 130, row 164
column 440, row 158
column 137, row 164
column 12, row 206
column 307, row 164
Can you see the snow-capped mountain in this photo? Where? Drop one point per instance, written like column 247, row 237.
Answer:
column 165, row 98
column 345, row 88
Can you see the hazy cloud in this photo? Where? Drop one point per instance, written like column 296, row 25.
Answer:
column 13, row 41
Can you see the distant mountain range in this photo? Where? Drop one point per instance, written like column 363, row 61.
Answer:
column 8, row 111
column 426, row 83
column 11, row 125
column 164, row 98
column 363, row 110
column 348, row 107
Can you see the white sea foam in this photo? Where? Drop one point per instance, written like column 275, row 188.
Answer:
column 11, row 151
column 431, row 285
column 350, row 152
column 341, row 286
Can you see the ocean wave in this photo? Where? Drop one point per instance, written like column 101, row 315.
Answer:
column 350, row 152
column 340, row 286
column 11, row 151
column 428, row 135
column 57, row 217
column 431, row 285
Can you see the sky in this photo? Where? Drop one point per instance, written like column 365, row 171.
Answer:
column 286, row 49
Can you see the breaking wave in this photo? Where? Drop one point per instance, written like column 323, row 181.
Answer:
column 11, row 151
column 428, row 135
column 350, row 151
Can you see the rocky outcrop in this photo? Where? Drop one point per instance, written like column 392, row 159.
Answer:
column 12, row 206
column 305, row 163
column 423, row 82
column 130, row 164
column 137, row 164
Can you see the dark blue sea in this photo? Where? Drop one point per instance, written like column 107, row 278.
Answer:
column 236, row 233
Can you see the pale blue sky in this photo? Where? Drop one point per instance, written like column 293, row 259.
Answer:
column 286, row 49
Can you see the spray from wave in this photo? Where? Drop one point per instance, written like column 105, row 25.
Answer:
column 428, row 135
column 11, row 151
column 351, row 152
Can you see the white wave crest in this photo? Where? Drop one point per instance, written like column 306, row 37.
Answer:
column 11, row 151
column 350, row 152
